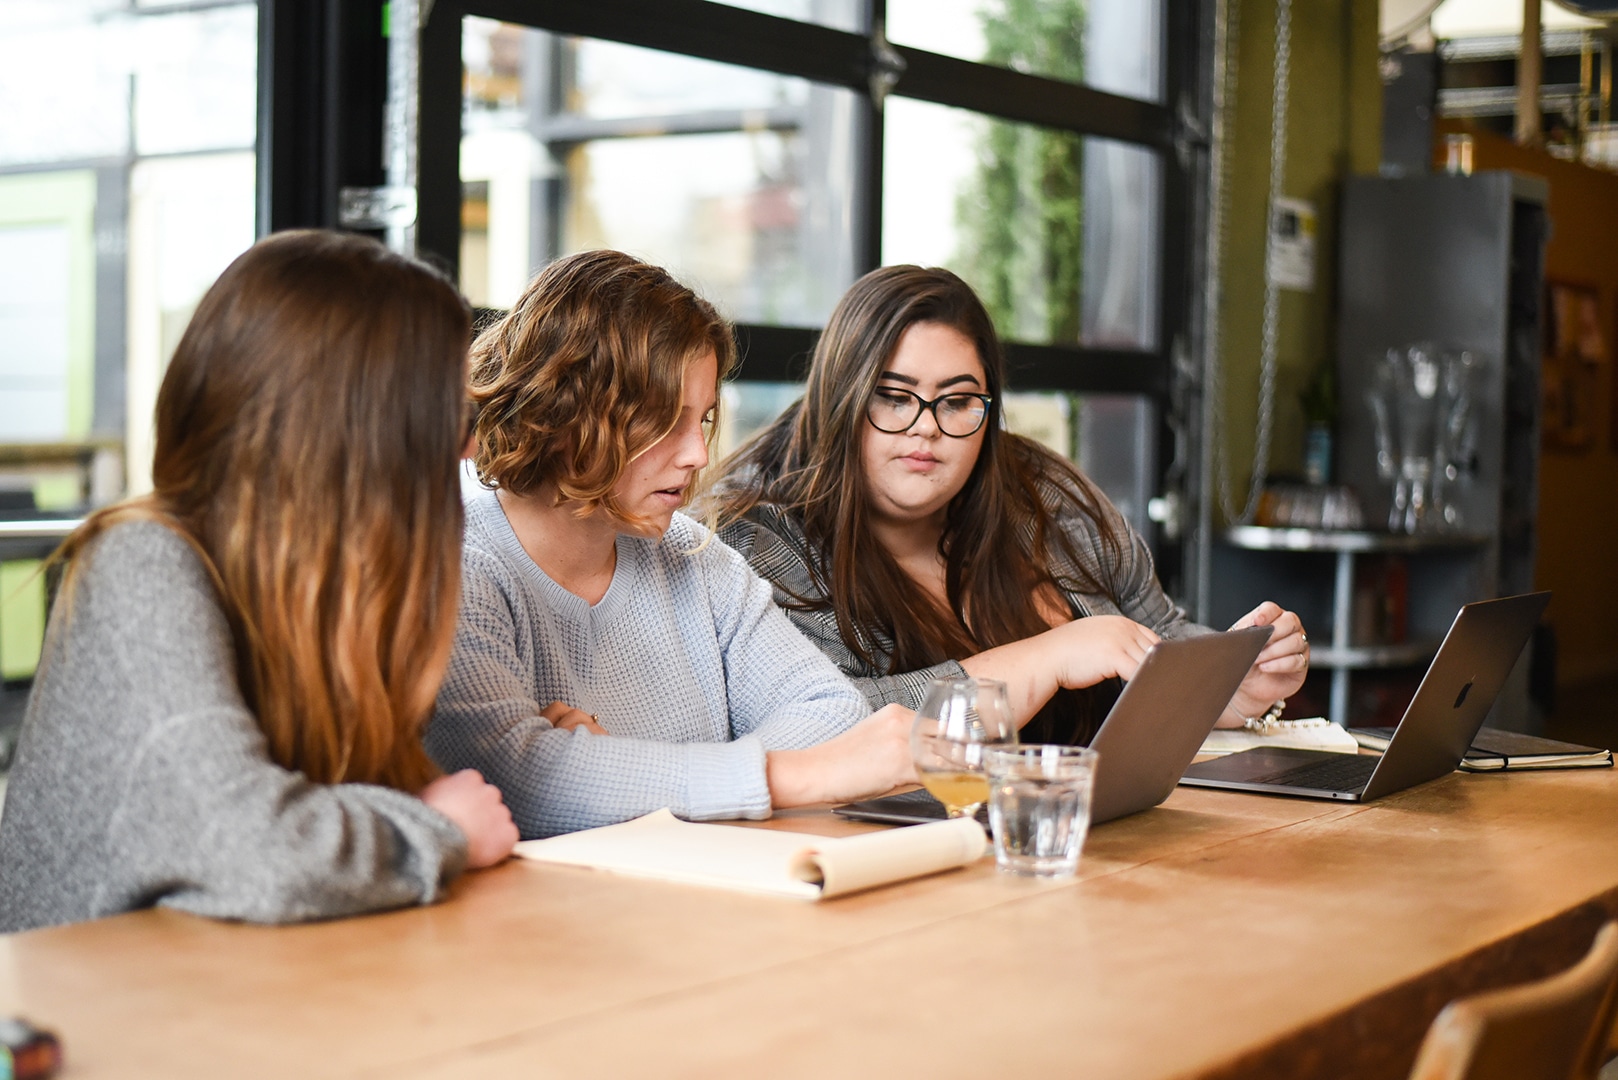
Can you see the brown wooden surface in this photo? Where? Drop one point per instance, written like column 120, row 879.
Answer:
column 1219, row 935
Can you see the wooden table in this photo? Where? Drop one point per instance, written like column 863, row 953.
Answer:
column 1219, row 935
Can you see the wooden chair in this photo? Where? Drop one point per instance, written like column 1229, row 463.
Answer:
column 1554, row 1029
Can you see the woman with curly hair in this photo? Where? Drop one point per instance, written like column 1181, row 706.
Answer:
column 611, row 660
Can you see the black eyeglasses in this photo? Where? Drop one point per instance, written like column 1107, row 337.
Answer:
column 893, row 411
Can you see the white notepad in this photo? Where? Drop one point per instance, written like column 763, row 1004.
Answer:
column 1314, row 733
column 799, row 865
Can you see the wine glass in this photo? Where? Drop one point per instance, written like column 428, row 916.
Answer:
column 957, row 719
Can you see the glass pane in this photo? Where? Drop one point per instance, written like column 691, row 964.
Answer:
column 189, row 216
column 1122, row 197
column 55, row 111
column 747, row 408
column 1112, row 45
column 837, row 14
column 1056, row 231
column 1115, row 444
column 518, row 70
column 127, row 182
column 196, row 80
column 738, row 181
column 36, row 317
column 1109, row 436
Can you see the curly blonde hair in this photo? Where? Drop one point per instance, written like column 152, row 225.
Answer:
column 585, row 374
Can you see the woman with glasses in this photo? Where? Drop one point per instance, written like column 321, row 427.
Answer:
column 612, row 660
column 911, row 538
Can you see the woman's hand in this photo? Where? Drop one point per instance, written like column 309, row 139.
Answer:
column 1085, row 651
column 1280, row 668
column 565, row 717
column 869, row 758
column 478, row 811
column 1073, row 655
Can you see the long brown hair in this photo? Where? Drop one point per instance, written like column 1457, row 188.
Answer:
column 308, row 431
column 1002, row 548
column 586, row 373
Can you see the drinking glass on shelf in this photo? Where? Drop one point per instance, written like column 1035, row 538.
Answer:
column 959, row 718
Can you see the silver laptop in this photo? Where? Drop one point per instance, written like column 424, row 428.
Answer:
column 1149, row 737
column 1437, row 728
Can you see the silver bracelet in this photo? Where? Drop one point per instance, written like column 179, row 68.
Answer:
column 1267, row 720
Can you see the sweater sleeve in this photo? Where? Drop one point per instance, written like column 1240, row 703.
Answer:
column 780, row 560
column 557, row 780
column 781, row 688
column 144, row 779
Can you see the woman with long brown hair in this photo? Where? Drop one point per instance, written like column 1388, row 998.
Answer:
column 911, row 538
column 611, row 660
column 227, row 716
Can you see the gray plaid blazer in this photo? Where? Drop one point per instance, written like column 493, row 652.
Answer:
column 775, row 546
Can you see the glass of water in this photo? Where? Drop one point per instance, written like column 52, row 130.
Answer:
column 1039, row 806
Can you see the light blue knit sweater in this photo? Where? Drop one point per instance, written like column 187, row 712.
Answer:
column 686, row 661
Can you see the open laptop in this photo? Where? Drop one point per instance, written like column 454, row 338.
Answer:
column 1438, row 726
column 1149, row 737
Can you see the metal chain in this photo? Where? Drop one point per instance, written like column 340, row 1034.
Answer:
column 1272, row 297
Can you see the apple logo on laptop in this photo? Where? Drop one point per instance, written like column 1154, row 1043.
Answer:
column 1467, row 689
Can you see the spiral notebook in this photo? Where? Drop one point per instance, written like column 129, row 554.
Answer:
column 1495, row 750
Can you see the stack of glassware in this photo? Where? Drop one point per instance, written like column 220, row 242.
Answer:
column 1421, row 406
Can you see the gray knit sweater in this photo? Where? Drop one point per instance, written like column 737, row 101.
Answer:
column 141, row 777
column 685, row 660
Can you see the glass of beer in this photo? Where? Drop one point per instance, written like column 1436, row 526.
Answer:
column 957, row 719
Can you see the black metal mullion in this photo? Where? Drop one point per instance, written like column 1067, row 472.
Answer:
column 783, row 46
column 570, row 128
column 1032, row 99
column 1181, row 248
column 438, row 160
column 871, row 136
column 1087, row 371
column 781, row 354
column 773, row 353
column 322, row 83
column 701, row 29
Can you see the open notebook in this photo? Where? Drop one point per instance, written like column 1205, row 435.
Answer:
column 661, row 846
column 1313, row 733
column 1494, row 750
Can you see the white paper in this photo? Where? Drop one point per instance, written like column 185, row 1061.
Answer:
column 1292, row 245
column 660, row 845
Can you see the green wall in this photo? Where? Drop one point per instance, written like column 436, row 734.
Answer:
column 1334, row 129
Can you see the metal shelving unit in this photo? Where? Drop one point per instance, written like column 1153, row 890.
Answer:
column 1450, row 563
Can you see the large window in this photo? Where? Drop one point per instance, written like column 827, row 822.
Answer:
column 127, row 140
column 769, row 152
column 126, row 185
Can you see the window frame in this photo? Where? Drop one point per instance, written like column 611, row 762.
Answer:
column 1172, row 129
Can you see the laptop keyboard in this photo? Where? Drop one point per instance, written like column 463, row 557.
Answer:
column 1345, row 772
